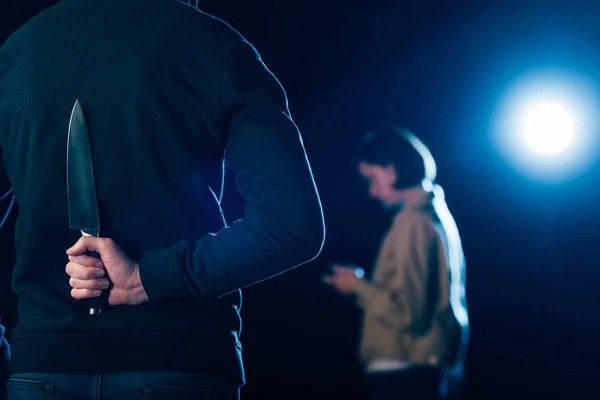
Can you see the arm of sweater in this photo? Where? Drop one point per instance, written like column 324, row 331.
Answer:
column 403, row 301
column 4, row 346
column 283, row 225
column 4, row 358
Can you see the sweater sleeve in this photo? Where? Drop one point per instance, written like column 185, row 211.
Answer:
column 4, row 359
column 283, row 225
column 4, row 346
column 402, row 301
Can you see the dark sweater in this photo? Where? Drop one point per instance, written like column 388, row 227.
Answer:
column 169, row 93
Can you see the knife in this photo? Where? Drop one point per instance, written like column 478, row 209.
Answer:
column 81, row 189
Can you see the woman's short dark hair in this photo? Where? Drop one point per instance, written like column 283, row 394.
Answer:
column 399, row 147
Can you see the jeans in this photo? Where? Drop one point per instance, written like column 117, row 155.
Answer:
column 121, row 386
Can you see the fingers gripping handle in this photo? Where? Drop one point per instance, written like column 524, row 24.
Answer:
column 97, row 303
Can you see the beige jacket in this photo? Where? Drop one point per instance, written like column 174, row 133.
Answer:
column 415, row 308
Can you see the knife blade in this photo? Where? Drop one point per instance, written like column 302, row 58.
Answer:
column 81, row 188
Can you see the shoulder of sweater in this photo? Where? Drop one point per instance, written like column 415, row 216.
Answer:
column 225, row 32
column 418, row 223
column 407, row 218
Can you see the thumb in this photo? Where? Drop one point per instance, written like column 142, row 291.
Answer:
column 83, row 245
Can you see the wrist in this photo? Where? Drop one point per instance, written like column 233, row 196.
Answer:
column 363, row 289
column 137, row 294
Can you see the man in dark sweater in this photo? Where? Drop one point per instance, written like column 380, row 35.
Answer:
column 4, row 361
column 170, row 95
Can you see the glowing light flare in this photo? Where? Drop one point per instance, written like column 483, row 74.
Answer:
column 545, row 124
column 548, row 128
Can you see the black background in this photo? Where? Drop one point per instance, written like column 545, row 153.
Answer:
column 440, row 68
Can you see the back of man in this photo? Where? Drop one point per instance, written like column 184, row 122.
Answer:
column 166, row 90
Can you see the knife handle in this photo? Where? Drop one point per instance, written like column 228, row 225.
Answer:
column 97, row 303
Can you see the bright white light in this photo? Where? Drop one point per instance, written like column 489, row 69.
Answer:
column 548, row 128
column 545, row 124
